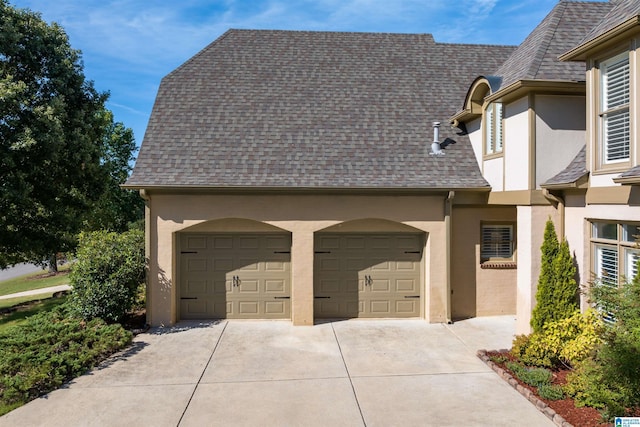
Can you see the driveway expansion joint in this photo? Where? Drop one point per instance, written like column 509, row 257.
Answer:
column 353, row 388
column 195, row 388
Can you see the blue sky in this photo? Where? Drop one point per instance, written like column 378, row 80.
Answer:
column 129, row 45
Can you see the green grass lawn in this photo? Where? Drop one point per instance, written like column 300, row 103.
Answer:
column 34, row 281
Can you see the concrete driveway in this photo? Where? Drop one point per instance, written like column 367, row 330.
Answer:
column 269, row 373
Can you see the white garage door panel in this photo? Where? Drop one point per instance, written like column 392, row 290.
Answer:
column 235, row 276
column 367, row 275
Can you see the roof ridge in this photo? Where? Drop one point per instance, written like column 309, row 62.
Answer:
column 554, row 20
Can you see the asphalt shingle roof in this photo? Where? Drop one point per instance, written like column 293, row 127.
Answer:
column 622, row 11
column 563, row 28
column 634, row 172
column 285, row 109
column 573, row 172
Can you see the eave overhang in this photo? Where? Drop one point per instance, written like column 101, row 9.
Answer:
column 579, row 184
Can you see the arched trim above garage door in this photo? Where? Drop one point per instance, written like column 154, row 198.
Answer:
column 369, row 225
column 233, row 225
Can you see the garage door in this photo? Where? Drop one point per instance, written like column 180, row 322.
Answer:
column 235, row 276
column 367, row 275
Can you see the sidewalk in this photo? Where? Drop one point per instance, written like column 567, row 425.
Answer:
column 49, row 290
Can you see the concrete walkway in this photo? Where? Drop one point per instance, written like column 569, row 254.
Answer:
column 269, row 373
column 49, row 290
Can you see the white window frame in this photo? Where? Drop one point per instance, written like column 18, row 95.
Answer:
column 493, row 125
column 615, row 148
column 497, row 248
column 622, row 252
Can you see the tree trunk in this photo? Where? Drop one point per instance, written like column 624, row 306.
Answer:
column 53, row 264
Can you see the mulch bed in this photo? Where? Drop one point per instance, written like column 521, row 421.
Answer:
column 561, row 412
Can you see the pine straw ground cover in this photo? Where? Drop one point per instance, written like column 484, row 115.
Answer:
column 559, row 411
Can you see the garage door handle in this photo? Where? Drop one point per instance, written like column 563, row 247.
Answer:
column 322, row 297
column 322, row 252
column 189, row 298
column 281, row 297
column 188, row 252
column 411, row 252
column 412, row 296
column 281, row 252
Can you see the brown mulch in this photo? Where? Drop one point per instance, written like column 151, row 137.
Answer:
column 579, row 417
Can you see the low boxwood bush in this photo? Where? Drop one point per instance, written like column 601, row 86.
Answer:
column 535, row 377
column 550, row 392
column 49, row 349
column 107, row 275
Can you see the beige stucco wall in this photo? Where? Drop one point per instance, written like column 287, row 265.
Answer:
column 560, row 133
column 477, row 291
column 516, row 145
column 475, row 136
column 302, row 216
column 531, row 224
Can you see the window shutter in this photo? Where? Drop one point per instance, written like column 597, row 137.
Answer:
column 607, row 265
column 616, row 109
column 497, row 241
column 631, row 262
column 498, row 127
column 488, row 127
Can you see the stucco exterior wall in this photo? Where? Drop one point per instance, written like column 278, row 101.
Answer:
column 531, row 224
column 478, row 291
column 516, row 145
column 494, row 173
column 474, row 128
column 560, row 133
column 302, row 216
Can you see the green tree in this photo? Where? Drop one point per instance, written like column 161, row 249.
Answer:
column 59, row 148
column 542, row 312
column 116, row 208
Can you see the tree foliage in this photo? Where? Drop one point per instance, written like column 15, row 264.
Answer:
column 60, row 152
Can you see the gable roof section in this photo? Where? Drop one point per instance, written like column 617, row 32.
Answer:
column 288, row 109
column 537, row 57
column 572, row 174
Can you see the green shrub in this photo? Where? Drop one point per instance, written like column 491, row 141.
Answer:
column 617, row 361
column 49, row 349
column 544, row 294
column 566, row 341
column 107, row 274
column 515, row 368
column 589, row 386
column 557, row 294
column 550, row 392
column 535, row 376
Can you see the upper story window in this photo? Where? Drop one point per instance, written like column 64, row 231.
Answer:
column 493, row 128
column 614, row 109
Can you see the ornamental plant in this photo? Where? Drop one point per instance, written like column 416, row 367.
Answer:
column 544, row 295
column 107, row 275
column 557, row 294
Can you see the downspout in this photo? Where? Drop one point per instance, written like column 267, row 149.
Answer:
column 147, row 254
column 448, row 226
column 561, row 204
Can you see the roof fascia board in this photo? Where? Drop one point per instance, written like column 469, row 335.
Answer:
column 299, row 190
column 613, row 36
column 523, row 87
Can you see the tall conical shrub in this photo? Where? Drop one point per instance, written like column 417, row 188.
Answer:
column 544, row 295
column 565, row 288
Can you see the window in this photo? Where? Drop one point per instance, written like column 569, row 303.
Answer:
column 615, row 253
column 614, row 109
column 493, row 128
column 497, row 242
